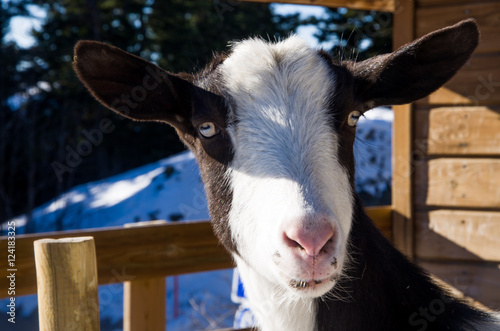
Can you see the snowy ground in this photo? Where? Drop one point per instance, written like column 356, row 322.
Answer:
column 171, row 189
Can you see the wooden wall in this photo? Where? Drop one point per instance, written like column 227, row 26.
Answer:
column 456, row 159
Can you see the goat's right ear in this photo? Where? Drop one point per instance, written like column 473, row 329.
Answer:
column 131, row 86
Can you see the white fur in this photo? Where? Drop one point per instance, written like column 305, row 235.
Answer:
column 272, row 306
column 285, row 167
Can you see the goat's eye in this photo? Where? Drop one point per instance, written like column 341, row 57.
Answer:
column 208, row 129
column 353, row 118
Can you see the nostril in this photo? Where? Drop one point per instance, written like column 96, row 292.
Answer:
column 292, row 243
column 325, row 246
column 312, row 242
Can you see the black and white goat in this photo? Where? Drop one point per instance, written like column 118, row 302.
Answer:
column 272, row 126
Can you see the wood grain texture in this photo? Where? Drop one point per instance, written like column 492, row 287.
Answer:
column 475, row 282
column 458, row 130
column 402, row 179
column 67, row 284
column 382, row 217
column 458, row 235
column 432, row 3
column 130, row 254
column 458, row 183
column 476, row 84
column 144, row 301
column 382, row 5
column 144, row 305
column 402, row 143
column 487, row 15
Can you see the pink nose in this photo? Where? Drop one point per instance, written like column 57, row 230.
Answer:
column 311, row 239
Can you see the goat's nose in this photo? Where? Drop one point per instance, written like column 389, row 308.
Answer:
column 312, row 239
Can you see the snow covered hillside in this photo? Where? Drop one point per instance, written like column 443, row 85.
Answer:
column 171, row 189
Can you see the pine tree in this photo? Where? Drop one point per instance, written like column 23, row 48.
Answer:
column 356, row 34
column 47, row 144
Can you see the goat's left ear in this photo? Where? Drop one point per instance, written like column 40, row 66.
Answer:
column 416, row 69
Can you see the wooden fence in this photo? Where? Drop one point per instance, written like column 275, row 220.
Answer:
column 142, row 257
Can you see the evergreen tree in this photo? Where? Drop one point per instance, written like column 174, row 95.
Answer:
column 356, row 34
column 51, row 139
column 51, row 128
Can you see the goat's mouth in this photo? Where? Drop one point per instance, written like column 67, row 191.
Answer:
column 303, row 284
column 311, row 288
column 314, row 288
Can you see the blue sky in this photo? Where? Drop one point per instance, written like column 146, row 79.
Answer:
column 22, row 26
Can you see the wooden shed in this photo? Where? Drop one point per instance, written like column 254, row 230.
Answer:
column 446, row 177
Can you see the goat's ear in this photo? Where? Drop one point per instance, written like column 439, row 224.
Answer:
column 131, row 86
column 416, row 69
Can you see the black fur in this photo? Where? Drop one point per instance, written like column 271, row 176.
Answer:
column 384, row 291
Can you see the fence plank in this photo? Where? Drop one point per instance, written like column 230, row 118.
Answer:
column 67, row 284
column 458, row 183
column 382, row 5
column 131, row 254
column 428, row 3
column 458, row 235
column 458, row 130
column 144, row 305
column 156, row 250
column 382, row 217
column 144, row 302
column 402, row 142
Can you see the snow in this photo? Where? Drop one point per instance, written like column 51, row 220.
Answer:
column 171, row 189
column 372, row 151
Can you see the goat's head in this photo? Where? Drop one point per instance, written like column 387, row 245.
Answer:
column 272, row 126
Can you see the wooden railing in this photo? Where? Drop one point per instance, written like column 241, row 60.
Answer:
column 139, row 255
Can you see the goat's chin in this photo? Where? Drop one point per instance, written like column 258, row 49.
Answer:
column 312, row 289
column 303, row 285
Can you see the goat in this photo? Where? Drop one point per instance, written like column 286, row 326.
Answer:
column 272, row 126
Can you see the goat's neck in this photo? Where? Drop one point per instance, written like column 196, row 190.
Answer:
column 383, row 290
column 274, row 309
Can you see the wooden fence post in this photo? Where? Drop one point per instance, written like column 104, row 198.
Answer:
column 67, row 284
column 144, row 301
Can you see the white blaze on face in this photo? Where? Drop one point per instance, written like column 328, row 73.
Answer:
column 285, row 170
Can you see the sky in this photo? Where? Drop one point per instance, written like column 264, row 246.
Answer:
column 22, row 26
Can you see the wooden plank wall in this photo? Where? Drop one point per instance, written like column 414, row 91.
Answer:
column 456, row 155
